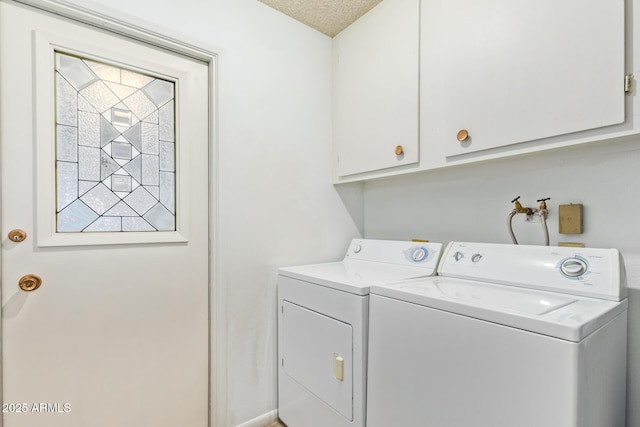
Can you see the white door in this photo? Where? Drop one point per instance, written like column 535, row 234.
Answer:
column 104, row 165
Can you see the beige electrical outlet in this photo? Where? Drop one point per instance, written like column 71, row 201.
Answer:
column 570, row 219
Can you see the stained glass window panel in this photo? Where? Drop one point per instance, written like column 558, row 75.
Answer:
column 115, row 148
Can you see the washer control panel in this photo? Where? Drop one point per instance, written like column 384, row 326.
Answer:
column 417, row 254
column 598, row 273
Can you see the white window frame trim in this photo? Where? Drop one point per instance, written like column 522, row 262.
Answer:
column 46, row 44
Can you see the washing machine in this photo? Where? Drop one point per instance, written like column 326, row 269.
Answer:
column 504, row 336
column 323, row 314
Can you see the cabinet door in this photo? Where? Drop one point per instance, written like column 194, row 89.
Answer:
column 517, row 70
column 376, row 73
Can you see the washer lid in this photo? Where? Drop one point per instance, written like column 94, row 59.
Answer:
column 567, row 317
column 353, row 276
column 508, row 299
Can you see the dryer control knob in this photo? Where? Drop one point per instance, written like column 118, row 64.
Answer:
column 476, row 258
column 419, row 254
column 458, row 256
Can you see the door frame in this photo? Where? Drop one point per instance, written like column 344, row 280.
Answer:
column 165, row 38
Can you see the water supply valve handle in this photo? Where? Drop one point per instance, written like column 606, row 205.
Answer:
column 543, row 202
column 518, row 208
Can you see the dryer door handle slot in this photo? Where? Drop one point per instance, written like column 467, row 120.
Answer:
column 338, row 367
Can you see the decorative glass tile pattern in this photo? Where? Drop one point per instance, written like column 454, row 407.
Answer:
column 115, row 148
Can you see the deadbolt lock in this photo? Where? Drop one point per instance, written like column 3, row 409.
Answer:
column 30, row 282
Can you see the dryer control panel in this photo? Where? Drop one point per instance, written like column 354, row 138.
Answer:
column 415, row 254
column 592, row 272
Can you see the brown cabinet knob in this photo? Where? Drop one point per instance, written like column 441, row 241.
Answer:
column 399, row 150
column 29, row 282
column 462, row 135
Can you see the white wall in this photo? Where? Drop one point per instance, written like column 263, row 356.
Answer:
column 471, row 203
column 276, row 203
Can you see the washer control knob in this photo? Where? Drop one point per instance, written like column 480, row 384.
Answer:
column 476, row 258
column 573, row 267
column 458, row 256
column 357, row 249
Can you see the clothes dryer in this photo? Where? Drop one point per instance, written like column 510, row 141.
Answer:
column 505, row 336
column 323, row 313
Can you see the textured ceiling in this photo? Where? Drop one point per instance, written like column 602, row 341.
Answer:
column 327, row 16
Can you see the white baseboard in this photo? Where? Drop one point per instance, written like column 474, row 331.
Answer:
column 262, row 420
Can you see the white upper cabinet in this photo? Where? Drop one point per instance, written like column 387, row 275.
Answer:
column 376, row 90
column 517, row 76
column 521, row 70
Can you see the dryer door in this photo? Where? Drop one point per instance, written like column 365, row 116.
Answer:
column 317, row 353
